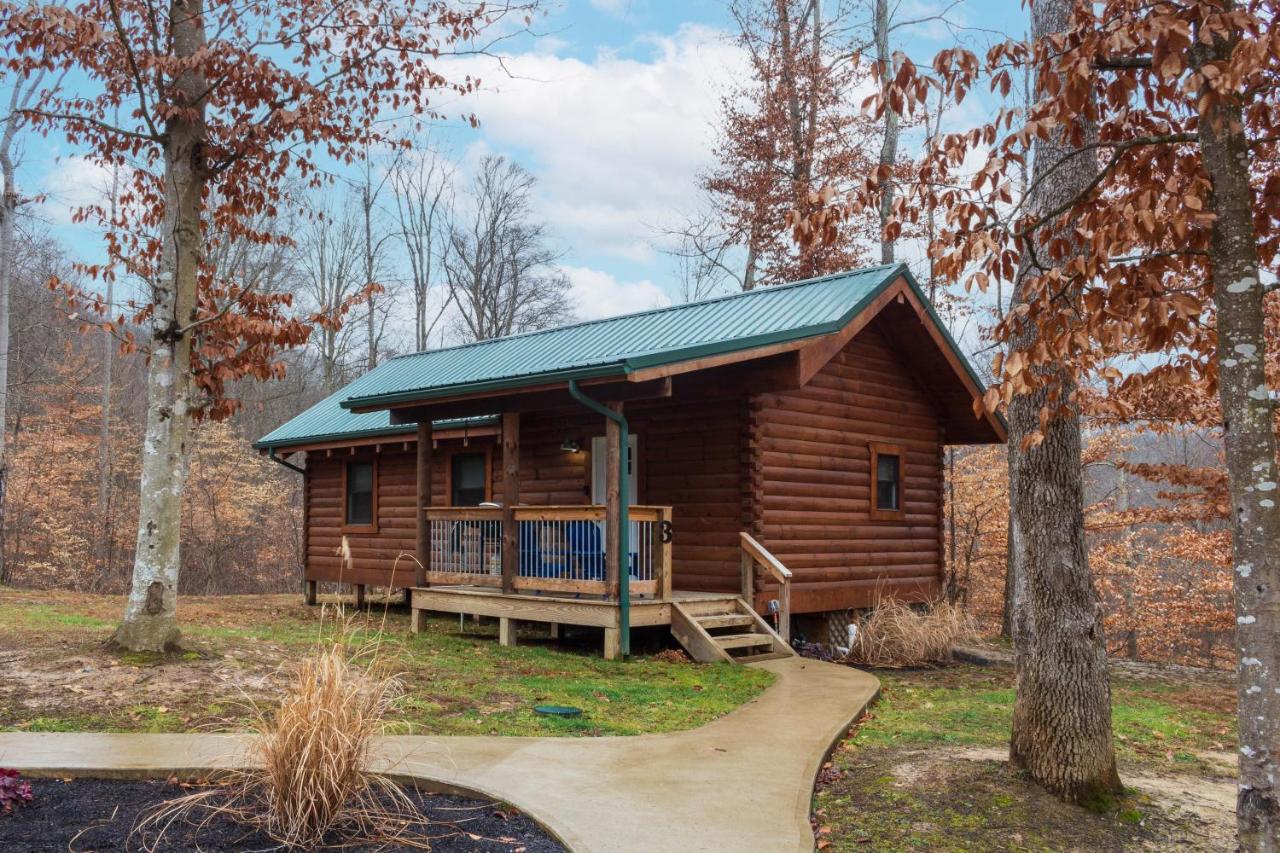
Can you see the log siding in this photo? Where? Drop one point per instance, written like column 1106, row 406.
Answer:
column 813, row 484
column 793, row 468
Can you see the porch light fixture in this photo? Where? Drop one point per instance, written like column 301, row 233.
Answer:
column 571, row 445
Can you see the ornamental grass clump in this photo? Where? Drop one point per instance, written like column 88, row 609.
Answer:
column 307, row 785
column 894, row 634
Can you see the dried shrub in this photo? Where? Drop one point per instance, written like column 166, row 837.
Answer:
column 13, row 791
column 894, row 634
column 308, row 785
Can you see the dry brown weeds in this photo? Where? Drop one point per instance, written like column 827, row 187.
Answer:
column 894, row 634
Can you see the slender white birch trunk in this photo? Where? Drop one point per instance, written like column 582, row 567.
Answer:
column 151, row 615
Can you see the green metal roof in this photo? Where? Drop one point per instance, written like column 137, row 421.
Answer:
column 614, row 346
column 328, row 421
column 617, row 346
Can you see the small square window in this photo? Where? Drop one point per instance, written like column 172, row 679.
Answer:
column 359, row 493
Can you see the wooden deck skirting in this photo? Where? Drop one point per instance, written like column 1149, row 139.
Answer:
column 554, row 610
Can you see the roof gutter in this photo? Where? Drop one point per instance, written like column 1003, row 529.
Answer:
column 271, row 454
column 624, row 514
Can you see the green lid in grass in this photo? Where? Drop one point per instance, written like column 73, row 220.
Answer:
column 557, row 710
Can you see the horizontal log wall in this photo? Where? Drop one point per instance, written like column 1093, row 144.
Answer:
column 810, row 481
column 373, row 555
column 690, row 460
column 692, row 450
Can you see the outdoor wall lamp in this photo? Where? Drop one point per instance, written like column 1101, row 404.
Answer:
column 571, row 445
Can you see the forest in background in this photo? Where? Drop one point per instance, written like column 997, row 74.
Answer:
column 413, row 253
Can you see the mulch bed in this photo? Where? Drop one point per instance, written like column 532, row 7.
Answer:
column 98, row 815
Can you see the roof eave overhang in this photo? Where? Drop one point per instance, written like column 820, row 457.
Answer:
column 375, row 402
column 746, row 348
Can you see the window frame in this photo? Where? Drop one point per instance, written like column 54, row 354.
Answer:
column 372, row 526
column 879, row 449
column 487, row 453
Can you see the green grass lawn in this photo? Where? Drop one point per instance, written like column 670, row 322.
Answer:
column 924, row 770
column 457, row 679
column 1153, row 721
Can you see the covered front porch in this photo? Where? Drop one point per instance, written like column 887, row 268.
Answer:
column 563, row 571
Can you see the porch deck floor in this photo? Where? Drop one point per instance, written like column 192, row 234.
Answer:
column 555, row 610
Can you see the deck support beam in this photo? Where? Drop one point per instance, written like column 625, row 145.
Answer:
column 360, row 596
column 510, row 497
column 309, row 591
column 506, row 631
column 423, row 502
column 612, row 643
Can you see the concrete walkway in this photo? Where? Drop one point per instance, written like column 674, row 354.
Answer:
column 741, row 783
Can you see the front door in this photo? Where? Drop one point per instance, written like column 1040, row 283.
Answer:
column 599, row 457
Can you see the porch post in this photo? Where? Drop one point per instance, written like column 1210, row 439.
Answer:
column 613, row 506
column 510, row 497
column 423, row 502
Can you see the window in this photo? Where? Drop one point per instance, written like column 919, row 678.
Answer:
column 468, row 473
column 886, row 469
column 360, row 486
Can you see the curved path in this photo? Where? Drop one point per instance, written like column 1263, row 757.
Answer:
column 740, row 783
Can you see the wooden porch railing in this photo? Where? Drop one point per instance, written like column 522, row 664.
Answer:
column 559, row 549
column 753, row 554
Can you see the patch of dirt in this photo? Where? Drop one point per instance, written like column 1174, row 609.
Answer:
column 968, row 798
column 61, row 672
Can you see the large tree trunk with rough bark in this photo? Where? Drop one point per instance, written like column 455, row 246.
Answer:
column 151, row 615
column 1248, row 424
column 1062, row 713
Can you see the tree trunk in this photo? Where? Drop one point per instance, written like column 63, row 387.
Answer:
column 889, row 145
column 1062, row 713
column 366, row 204
column 8, row 210
column 151, row 615
column 104, row 428
column 1252, row 475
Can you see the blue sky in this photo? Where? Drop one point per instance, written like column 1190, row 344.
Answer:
column 611, row 108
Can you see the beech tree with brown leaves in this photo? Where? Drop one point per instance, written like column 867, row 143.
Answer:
column 783, row 135
column 1173, row 108
column 219, row 104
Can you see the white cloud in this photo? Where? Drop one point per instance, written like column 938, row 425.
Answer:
column 597, row 294
column 616, row 142
column 72, row 182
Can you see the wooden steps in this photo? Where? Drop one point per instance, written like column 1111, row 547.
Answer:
column 725, row 629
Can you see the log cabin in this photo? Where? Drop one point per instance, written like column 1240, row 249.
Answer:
column 758, row 458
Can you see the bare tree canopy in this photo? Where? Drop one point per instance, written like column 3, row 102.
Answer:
column 500, row 267
column 423, row 189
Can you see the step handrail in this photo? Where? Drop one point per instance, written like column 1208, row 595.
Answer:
column 753, row 553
